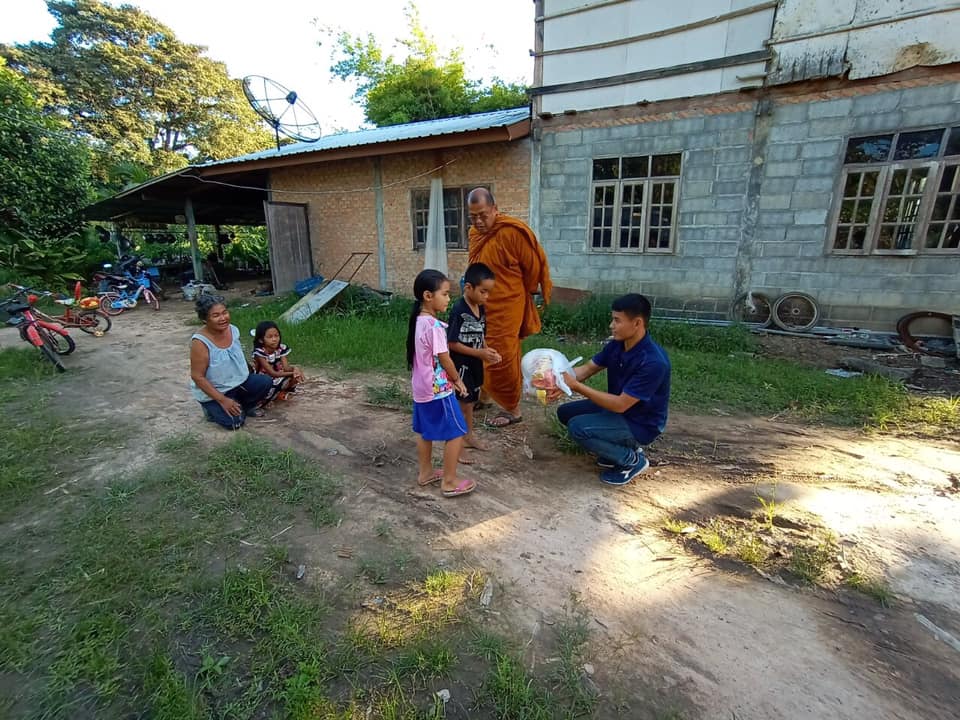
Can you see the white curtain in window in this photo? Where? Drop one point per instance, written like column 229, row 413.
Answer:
column 435, row 249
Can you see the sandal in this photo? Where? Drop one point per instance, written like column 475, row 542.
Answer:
column 465, row 487
column 507, row 419
column 437, row 477
column 256, row 412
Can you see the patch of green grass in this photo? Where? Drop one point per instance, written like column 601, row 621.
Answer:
column 716, row 536
column 179, row 445
column 577, row 696
column 769, row 506
column 561, row 437
column 751, row 550
column 674, row 526
column 811, row 562
column 394, row 394
column 24, row 363
column 514, row 694
column 871, row 585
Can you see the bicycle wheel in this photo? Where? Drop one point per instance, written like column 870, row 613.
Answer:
column 751, row 308
column 94, row 322
column 106, row 304
column 61, row 344
column 796, row 312
column 150, row 299
column 904, row 331
column 50, row 353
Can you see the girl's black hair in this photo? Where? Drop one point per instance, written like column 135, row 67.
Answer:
column 426, row 281
column 261, row 330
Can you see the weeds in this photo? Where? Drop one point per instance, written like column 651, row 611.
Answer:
column 872, row 586
column 674, row 526
column 811, row 562
column 394, row 395
column 770, row 507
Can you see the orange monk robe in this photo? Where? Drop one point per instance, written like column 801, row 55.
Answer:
column 511, row 250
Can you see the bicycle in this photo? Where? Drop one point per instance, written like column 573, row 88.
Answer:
column 51, row 339
column 89, row 317
column 115, row 302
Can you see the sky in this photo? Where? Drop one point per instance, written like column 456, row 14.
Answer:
column 279, row 38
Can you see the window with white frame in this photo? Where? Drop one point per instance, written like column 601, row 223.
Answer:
column 899, row 194
column 634, row 204
column 456, row 224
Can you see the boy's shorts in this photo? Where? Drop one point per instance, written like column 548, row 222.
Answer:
column 473, row 379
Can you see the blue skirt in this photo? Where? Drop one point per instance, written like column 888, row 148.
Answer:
column 440, row 419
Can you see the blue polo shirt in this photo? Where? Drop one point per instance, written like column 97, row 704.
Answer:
column 642, row 372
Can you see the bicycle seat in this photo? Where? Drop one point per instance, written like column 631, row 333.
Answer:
column 122, row 287
column 15, row 308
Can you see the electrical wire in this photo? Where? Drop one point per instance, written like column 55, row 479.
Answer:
column 318, row 192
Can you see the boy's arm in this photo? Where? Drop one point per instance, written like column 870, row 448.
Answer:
column 488, row 355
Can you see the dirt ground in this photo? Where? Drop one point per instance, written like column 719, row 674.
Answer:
column 714, row 639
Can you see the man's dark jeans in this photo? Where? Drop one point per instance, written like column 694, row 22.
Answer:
column 604, row 433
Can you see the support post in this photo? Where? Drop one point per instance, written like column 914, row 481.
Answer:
column 192, row 235
column 381, row 228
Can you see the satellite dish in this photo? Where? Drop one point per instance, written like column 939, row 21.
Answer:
column 283, row 110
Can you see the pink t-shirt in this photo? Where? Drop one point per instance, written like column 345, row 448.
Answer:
column 429, row 379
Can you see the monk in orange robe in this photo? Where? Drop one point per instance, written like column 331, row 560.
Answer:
column 511, row 250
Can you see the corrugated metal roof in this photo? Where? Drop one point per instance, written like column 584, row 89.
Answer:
column 391, row 133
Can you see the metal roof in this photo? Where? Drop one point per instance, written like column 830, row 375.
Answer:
column 390, row 133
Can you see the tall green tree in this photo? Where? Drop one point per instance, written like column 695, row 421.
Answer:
column 425, row 85
column 44, row 184
column 123, row 80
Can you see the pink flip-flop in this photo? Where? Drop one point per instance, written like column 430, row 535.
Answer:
column 465, row 487
column 437, row 477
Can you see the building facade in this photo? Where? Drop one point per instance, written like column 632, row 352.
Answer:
column 695, row 151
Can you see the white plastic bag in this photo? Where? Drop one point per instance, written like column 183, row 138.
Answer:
column 543, row 371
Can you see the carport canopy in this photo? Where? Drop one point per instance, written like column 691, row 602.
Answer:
column 163, row 200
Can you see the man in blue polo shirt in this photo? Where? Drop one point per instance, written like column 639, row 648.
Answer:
column 615, row 425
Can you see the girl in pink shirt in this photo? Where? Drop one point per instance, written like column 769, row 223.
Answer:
column 436, row 412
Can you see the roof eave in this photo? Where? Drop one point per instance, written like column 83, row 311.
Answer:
column 503, row 133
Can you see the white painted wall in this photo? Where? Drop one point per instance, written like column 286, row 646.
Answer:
column 639, row 17
column 835, row 37
column 847, row 37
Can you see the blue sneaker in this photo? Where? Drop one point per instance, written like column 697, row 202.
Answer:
column 621, row 476
column 605, row 464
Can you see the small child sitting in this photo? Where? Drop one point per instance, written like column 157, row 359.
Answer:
column 270, row 358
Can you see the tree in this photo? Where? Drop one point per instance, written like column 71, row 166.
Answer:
column 424, row 86
column 44, row 175
column 124, row 81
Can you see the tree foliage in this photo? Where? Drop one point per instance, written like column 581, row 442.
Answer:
column 124, row 81
column 425, row 85
column 44, row 183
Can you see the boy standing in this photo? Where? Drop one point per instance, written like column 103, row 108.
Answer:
column 614, row 425
column 466, row 338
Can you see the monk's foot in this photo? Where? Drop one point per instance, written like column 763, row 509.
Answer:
column 503, row 419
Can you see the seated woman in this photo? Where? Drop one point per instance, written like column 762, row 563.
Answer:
column 220, row 378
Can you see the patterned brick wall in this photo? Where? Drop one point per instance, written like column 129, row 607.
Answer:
column 342, row 209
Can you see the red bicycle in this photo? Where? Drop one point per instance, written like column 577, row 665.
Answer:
column 79, row 312
column 51, row 339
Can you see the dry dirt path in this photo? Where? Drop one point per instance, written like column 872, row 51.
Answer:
column 716, row 640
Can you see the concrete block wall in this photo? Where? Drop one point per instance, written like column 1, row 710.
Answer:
column 342, row 215
column 780, row 244
column 801, row 182
column 716, row 162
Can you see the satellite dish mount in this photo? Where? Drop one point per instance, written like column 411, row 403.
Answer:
column 282, row 109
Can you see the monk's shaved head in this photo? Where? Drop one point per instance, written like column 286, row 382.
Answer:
column 480, row 196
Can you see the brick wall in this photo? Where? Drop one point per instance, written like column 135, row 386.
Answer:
column 343, row 218
column 757, row 193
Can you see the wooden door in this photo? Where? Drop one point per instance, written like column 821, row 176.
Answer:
column 288, row 235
